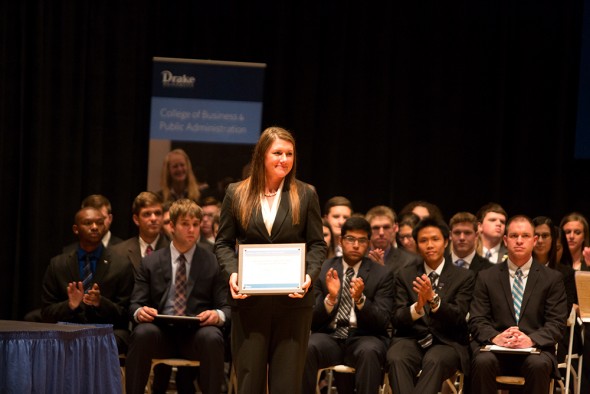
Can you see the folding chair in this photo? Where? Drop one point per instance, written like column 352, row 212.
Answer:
column 567, row 364
column 173, row 362
column 583, row 290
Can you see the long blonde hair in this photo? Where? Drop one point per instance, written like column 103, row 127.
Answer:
column 191, row 185
column 248, row 192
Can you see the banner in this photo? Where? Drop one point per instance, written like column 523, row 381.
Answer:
column 211, row 109
column 206, row 101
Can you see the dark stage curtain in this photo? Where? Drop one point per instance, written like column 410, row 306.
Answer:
column 456, row 103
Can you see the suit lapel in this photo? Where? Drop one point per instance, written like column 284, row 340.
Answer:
column 283, row 210
column 257, row 222
column 530, row 286
column 165, row 267
column 190, row 280
column 102, row 266
column 134, row 253
column 364, row 270
column 446, row 278
column 73, row 266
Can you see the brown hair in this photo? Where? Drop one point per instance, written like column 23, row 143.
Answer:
column 249, row 190
column 185, row 207
column 144, row 199
column 463, row 217
column 96, row 201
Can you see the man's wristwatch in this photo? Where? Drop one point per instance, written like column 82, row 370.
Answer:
column 435, row 302
column 361, row 300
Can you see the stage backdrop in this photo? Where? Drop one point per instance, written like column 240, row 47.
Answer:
column 202, row 106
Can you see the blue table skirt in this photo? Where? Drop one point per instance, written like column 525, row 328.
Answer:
column 58, row 358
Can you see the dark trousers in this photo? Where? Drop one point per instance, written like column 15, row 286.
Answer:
column 149, row 341
column 270, row 336
column 535, row 368
column 406, row 359
column 364, row 353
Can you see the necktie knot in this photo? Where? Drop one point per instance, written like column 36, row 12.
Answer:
column 518, row 273
column 433, row 278
column 488, row 254
column 460, row 263
column 350, row 273
column 148, row 250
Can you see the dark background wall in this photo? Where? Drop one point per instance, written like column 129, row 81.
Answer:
column 458, row 103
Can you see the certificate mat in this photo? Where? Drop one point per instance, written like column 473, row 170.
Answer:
column 271, row 268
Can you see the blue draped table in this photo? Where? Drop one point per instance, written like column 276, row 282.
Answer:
column 58, row 358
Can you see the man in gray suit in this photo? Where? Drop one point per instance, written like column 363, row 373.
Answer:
column 147, row 215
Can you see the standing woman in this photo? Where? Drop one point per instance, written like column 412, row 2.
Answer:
column 177, row 179
column 270, row 206
column 575, row 228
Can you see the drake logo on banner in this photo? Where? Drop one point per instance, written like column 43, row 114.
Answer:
column 206, row 101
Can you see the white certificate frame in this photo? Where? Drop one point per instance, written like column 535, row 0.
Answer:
column 267, row 269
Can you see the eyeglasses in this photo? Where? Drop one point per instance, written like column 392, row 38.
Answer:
column 406, row 236
column 543, row 235
column 385, row 227
column 349, row 239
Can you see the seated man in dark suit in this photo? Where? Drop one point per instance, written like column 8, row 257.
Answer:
column 147, row 216
column 183, row 280
column 517, row 304
column 431, row 303
column 343, row 333
column 89, row 284
column 464, row 236
column 384, row 250
column 103, row 204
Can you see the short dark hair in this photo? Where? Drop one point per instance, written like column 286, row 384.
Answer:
column 337, row 201
column 185, row 207
column 143, row 200
column 431, row 222
column 519, row 218
column 356, row 223
column 96, row 201
column 381, row 210
column 463, row 217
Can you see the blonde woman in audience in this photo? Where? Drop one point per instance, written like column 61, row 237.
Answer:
column 177, row 178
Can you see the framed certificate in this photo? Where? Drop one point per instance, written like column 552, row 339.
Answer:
column 271, row 268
